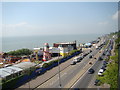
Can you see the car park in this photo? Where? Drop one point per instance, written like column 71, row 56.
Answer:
column 90, row 71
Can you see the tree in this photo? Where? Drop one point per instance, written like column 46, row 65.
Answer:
column 20, row 52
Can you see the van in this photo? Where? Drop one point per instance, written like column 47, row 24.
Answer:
column 76, row 59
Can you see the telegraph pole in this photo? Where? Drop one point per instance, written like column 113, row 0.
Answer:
column 60, row 85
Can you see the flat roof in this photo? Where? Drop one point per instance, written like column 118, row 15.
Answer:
column 25, row 65
column 66, row 43
column 8, row 71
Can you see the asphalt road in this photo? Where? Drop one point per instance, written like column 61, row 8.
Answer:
column 67, row 74
column 87, row 79
column 70, row 72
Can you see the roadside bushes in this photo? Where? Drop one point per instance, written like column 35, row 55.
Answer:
column 46, row 65
column 10, row 84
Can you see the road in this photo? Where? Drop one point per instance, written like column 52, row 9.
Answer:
column 47, row 75
column 88, row 79
column 68, row 73
column 50, row 78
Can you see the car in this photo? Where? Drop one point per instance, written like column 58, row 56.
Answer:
column 100, row 72
column 105, row 62
column 96, row 82
column 80, row 57
column 84, row 55
column 100, row 58
column 90, row 56
column 90, row 51
column 103, row 53
column 73, row 63
column 90, row 71
column 103, row 67
column 75, row 59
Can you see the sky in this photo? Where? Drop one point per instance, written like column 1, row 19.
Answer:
column 58, row 18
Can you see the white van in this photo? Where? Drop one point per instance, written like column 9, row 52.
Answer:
column 76, row 59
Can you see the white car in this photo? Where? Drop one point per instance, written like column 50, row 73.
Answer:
column 100, row 72
column 76, row 59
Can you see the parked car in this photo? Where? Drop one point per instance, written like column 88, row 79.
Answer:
column 90, row 51
column 90, row 71
column 75, row 59
column 90, row 56
column 96, row 82
column 80, row 57
column 100, row 72
column 73, row 63
column 105, row 62
column 103, row 67
column 100, row 58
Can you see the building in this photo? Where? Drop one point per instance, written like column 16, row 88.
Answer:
column 46, row 53
column 65, row 48
column 38, row 53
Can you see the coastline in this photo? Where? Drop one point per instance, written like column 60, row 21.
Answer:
column 30, row 42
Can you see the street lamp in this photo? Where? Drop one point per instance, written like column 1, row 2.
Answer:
column 60, row 85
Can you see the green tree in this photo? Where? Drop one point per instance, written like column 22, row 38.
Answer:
column 20, row 52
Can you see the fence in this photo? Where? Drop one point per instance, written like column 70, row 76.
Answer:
column 33, row 74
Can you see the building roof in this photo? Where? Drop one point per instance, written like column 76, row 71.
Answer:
column 66, row 43
column 26, row 60
column 8, row 71
column 88, row 44
column 25, row 65
column 4, row 72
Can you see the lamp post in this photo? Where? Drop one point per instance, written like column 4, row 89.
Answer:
column 59, row 70
column 29, row 77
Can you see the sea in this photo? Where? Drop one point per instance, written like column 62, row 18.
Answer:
column 13, row 43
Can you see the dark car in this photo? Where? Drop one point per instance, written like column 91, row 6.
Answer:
column 105, row 62
column 104, row 65
column 90, row 51
column 90, row 71
column 81, row 57
column 96, row 82
column 104, row 53
column 100, row 58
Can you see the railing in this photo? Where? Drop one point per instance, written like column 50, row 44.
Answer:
column 25, row 78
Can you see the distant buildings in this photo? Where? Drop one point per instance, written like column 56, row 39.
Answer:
column 65, row 48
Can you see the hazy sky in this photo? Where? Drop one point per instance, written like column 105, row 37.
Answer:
column 58, row 18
